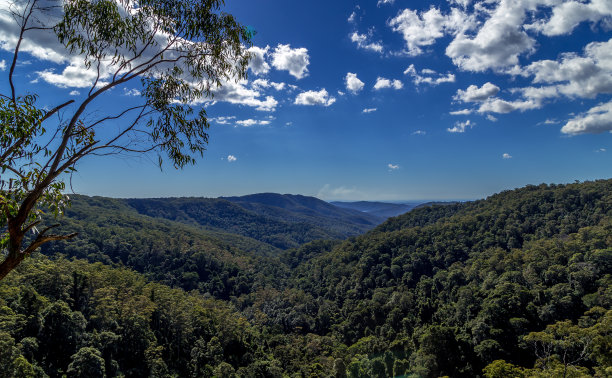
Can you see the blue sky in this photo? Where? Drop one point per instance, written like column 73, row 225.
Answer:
column 387, row 100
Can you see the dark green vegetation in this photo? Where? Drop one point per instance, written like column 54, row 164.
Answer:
column 283, row 221
column 519, row 284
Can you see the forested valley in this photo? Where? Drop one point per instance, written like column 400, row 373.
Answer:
column 515, row 285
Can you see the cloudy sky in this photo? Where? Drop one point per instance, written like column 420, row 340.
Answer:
column 383, row 100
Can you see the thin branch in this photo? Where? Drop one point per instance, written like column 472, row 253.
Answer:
column 55, row 110
column 116, row 116
column 28, row 10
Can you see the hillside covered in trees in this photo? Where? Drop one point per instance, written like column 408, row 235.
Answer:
column 518, row 284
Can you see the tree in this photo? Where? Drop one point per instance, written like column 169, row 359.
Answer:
column 180, row 50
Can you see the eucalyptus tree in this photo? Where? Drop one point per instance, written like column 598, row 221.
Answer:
column 179, row 51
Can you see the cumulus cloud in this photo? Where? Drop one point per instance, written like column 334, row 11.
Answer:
column 596, row 120
column 231, row 158
column 491, row 118
column 353, row 17
column 393, row 167
column 383, row 2
column 352, row 82
column 293, row 60
column 494, row 36
column 39, row 43
column 382, row 83
column 74, row 93
column 363, row 42
column 475, row 94
column 237, row 93
column 419, row 132
column 263, row 83
column 497, row 105
column 258, row 64
column 569, row 14
column 461, row 112
column 2, row 65
column 499, row 42
column 131, row 92
column 369, row 110
column 314, row 98
column 573, row 75
column 428, row 76
column 460, row 127
column 251, row 122
column 75, row 75
column 424, row 28
column 506, row 156
column 223, row 120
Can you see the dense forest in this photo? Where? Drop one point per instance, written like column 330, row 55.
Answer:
column 515, row 285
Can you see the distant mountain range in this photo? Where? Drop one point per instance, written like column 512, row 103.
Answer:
column 278, row 220
column 379, row 209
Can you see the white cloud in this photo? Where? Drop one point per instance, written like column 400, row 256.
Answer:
column 75, row 75
column 498, row 43
column 382, row 83
column 369, row 110
column 572, row 75
column 314, row 98
column 2, row 65
column 475, row 94
column 420, row 30
column 383, row 2
column 263, row 83
column 258, row 64
column 497, row 105
column 353, row 17
column 461, row 112
column 495, row 34
column 393, row 167
column 223, row 120
column 461, row 3
column 419, row 132
column 569, row 14
column 39, row 43
column 251, row 122
column 231, row 158
column 460, row 127
column 600, row 150
column 428, row 76
column 131, row 92
column 363, row 42
column 352, row 82
column 293, row 60
column 237, row 93
column 506, row 156
column 74, row 93
column 596, row 120
column 491, row 118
